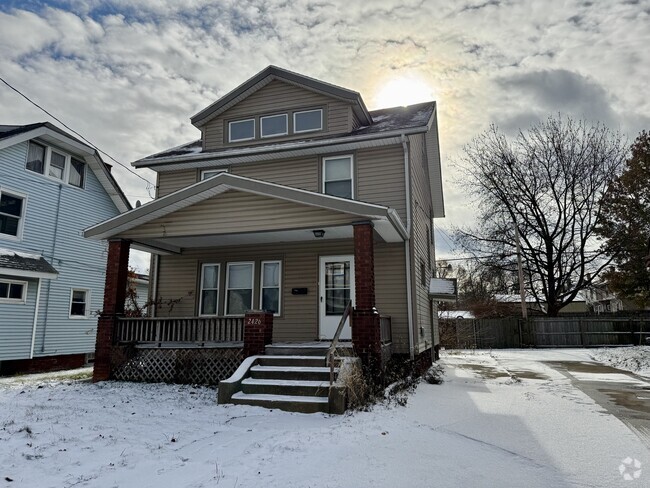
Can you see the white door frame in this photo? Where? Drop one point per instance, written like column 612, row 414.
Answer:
column 327, row 324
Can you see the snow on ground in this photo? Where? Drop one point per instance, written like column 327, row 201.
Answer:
column 480, row 428
column 635, row 359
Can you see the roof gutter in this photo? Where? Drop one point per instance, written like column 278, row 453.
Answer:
column 407, row 244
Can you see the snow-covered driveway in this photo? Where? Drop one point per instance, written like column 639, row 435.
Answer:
column 481, row 428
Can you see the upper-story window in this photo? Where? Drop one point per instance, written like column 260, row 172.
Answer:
column 241, row 130
column 45, row 160
column 209, row 173
column 337, row 176
column 12, row 208
column 274, row 125
column 308, row 120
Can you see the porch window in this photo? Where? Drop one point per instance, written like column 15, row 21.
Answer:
column 274, row 125
column 12, row 291
column 79, row 303
column 241, row 130
column 239, row 288
column 270, row 284
column 209, row 289
column 337, row 176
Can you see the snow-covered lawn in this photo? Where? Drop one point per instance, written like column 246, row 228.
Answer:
column 477, row 429
column 635, row 359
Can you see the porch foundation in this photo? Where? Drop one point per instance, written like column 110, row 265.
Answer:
column 117, row 267
column 258, row 332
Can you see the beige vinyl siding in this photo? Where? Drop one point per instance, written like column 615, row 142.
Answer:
column 279, row 97
column 169, row 182
column 421, row 242
column 235, row 212
column 298, row 173
column 435, row 175
column 179, row 279
column 380, row 177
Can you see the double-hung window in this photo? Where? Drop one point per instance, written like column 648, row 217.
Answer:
column 337, row 176
column 209, row 300
column 79, row 303
column 55, row 164
column 12, row 209
column 270, row 286
column 13, row 291
column 239, row 288
column 241, row 130
column 274, row 125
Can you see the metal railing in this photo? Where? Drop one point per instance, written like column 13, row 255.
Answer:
column 335, row 340
column 386, row 330
column 179, row 329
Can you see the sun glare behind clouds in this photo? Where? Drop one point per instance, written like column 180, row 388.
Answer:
column 403, row 90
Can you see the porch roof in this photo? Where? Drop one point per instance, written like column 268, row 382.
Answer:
column 386, row 220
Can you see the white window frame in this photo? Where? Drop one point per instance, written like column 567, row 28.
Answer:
column 230, row 139
column 21, row 219
column 227, row 288
column 15, row 301
column 340, row 156
column 66, row 170
column 279, row 134
column 218, row 289
column 279, row 263
column 216, row 171
column 295, row 131
column 87, row 302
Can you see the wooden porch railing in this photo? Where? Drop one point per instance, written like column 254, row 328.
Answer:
column 179, row 329
column 386, row 329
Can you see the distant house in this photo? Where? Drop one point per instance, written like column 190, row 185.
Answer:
column 52, row 186
column 139, row 283
column 578, row 305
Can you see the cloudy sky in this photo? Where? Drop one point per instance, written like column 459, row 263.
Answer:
column 128, row 74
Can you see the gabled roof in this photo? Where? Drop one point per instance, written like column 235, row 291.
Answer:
column 388, row 222
column 271, row 73
column 15, row 134
column 26, row 265
column 386, row 123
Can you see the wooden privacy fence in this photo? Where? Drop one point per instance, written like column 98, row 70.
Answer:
column 511, row 332
column 145, row 330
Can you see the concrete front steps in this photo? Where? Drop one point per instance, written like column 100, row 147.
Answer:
column 291, row 377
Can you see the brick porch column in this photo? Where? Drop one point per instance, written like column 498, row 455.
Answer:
column 117, row 267
column 258, row 331
column 366, row 333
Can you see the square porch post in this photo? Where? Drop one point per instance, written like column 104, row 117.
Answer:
column 117, row 268
column 366, row 332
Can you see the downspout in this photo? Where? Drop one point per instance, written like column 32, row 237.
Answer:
column 38, row 299
column 407, row 250
column 49, row 282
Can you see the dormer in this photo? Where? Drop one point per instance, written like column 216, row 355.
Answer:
column 278, row 105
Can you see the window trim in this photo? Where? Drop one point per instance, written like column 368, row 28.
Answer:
column 218, row 170
column 286, row 125
column 87, row 302
column 21, row 219
column 66, row 170
column 279, row 287
column 15, row 301
column 227, row 288
column 216, row 309
column 230, row 139
column 307, row 111
column 352, row 182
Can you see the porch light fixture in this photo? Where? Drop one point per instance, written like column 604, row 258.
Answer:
column 318, row 233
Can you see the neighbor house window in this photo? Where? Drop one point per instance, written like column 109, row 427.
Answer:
column 209, row 300
column 55, row 164
column 13, row 291
column 11, row 214
column 79, row 303
column 209, row 173
column 308, row 121
column 270, row 286
column 239, row 288
column 274, row 125
column 337, row 176
column 241, row 130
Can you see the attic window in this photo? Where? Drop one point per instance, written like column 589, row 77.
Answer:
column 307, row 121
column 241, row 130
column 55, row 164
column 274, row 125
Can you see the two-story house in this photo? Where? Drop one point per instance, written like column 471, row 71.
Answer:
column 52, row 186
column 295, row 199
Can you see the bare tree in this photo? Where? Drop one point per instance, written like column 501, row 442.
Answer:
column 548, row 182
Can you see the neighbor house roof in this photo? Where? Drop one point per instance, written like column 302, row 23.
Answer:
column 14, row 134
column 455, row 314
column 386, row 123
column 26, row 265
column 271, row 73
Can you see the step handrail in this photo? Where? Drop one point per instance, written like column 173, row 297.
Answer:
column 335, row 340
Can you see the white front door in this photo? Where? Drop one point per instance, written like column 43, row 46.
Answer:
column 336, row 287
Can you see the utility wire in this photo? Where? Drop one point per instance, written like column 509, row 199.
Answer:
column 149, row 184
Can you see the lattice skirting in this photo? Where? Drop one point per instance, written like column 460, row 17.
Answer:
column 189, row 366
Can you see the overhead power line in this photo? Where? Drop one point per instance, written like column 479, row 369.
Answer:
column 149, row 184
